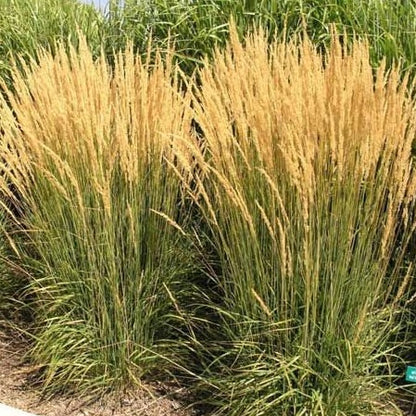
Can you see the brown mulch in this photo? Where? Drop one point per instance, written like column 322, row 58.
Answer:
column 15, row 391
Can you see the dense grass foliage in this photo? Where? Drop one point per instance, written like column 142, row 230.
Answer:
column 307, row 185
column 26, row 25
column 197, row 26
column 91, row 152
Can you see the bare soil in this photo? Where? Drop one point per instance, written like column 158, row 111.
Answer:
column 15, row 391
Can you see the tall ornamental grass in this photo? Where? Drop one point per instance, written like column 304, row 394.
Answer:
column 89, row 152
column 306, row 183
column 26, row 26
column 197, row 26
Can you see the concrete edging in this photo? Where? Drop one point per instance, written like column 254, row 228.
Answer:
column 10, row 411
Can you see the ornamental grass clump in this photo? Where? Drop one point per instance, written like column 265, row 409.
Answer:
column 89, row 159
column 306, row 183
